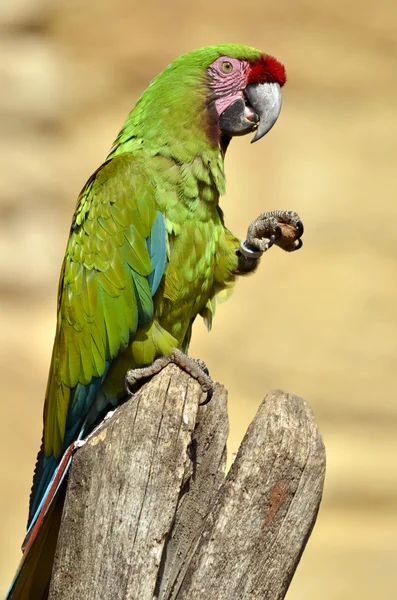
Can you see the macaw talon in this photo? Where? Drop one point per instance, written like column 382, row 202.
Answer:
column 282, row 228
column 263, row 233
column 196, row 368
column 290, row 217
column 201, row 364
column 210, row 393
column 291, row 230
column 299, row 244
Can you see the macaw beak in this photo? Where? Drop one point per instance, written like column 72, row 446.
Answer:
column 256, row 111
column 265, row 99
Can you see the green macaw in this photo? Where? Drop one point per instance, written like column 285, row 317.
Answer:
column 148, row 251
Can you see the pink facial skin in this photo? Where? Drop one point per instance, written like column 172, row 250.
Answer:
column 227, row 87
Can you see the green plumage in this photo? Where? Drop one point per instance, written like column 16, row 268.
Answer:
column 147, row 252
column 164, row 159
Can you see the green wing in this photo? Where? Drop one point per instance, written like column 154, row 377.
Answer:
column 104, row 290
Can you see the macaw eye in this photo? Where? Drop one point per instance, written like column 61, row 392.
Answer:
column 227, row 66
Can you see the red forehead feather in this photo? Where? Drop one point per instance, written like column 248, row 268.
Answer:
column 267, row 69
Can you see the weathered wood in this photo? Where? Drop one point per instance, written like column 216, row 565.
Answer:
column 149, row 515
column 207, row 469
column 265, row 512
column 130, row 485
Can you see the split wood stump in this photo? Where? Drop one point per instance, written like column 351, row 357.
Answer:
column 150, row 515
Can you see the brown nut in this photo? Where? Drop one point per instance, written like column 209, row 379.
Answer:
column 288, row 237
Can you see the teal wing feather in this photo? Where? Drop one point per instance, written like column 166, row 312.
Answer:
column 114, row 263
column 157, row 252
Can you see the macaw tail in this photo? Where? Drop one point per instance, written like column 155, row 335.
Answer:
column 32, row 579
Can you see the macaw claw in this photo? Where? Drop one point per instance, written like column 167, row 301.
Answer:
column 282, row 228
column 195, row 367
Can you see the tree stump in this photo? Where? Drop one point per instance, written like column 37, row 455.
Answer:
column 149, row 513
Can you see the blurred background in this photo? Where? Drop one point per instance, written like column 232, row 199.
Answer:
column 321, row 323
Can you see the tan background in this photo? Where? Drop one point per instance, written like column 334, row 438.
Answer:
column 321, row 323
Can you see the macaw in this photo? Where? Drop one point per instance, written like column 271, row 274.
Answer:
column 148, row 251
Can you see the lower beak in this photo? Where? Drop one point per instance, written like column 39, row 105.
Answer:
column 265, row 100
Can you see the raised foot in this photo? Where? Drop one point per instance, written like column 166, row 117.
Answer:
column 282, row 228
column 195, row 367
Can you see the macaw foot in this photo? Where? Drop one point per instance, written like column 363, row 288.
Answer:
column 282, row 228
column 195, row 367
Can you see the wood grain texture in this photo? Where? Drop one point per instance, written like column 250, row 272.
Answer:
column 148, row 513
column 208, row 456
column 258, row 529
column 158, row 458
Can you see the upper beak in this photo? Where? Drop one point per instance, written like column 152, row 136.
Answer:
column 265, row 99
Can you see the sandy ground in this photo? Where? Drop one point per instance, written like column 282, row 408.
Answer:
column 321, row 323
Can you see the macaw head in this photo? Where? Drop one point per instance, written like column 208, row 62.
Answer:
column 204, row 98
column 245, row 94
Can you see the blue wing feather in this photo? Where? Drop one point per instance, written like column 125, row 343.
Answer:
column 156, row 245
column 80, row 419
